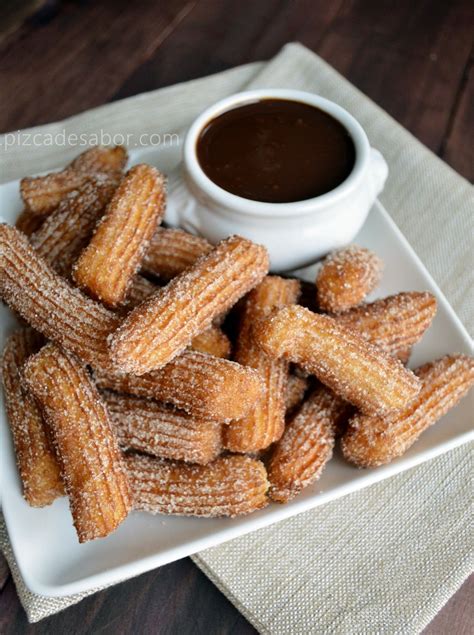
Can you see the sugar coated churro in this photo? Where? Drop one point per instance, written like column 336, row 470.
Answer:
column 394, row 323
column 299, row 457
column 140, row 289
column 49, row 303
column 67, row 230
column 230, row 486
column 355, row 369
column 200, row 384
column 265, row 422
column 42, row 194
column 37, row 464
column 373, row 441
column 148, row 426
column 107, row 265
column 165, row 324
column 171, row 251
column 346, row 277
column 296, row 388
column 212, row 341
column 27, row 222
column 92, row 467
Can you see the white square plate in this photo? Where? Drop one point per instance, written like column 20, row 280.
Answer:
column 51, row 560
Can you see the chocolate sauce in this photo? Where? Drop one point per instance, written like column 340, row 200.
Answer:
column 276, row 151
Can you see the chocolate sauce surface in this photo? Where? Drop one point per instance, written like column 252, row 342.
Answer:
column 276, row 150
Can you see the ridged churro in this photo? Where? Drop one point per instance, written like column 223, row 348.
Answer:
column 299, row 457
column 67, row 230
column 230, row 486
column 213, row 341
column 37, row 464
column 296, row 388
column 42, row 194
column 165, row 324
column 346, row 277
column 27, row 222
column 374, row 441
column 92, row 467
column 49, row 303
column 148, row 426
column 356, row 370
column 108, row 263
column 264, row 424
column 200, row 384
column 394, row 323
column 171, row 251
column 140, row 289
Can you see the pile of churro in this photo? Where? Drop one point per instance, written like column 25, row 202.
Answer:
column 154, row 371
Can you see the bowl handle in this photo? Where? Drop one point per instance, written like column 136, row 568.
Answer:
column 181, row 206
column 378, row 171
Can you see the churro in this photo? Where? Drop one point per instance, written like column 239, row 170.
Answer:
column 201, row 385
column 108, row 263
column 356, row 370
column 42, row 194
column 140, row 288
column 373, row 441
column 346, row 277
column 165, row 324
column 67, row 230
column 230, row 486
column 212, row 341
column 299, row 457
column 27, row 222
column 92, row 467
column 296, row 388
column 39, row 470
column 148, row 426
column 49, row 303
column 264, row 424
column 171, row 251
column 394, row 323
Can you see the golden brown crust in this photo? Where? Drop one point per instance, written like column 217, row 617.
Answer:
column 296, row 388
column 394, row 323
column 92, row 467
column 230, row 486
column 35, row 458
column 67, row 230
column 356, row 370
column 374, row 441
column 148, row 426
column 164, row 325
column 200, row 384
column 50, row 304
column 346, row 277
column 107, row 265
column 42, row 194
column 306, row 446
column 264, row 424
column 213, row 341
column 171, row 251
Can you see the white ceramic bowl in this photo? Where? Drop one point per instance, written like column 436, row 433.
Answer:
column 295, row 234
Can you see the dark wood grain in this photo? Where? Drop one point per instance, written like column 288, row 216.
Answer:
column 58, row 58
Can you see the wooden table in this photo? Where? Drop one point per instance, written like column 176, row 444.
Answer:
column 413, row 57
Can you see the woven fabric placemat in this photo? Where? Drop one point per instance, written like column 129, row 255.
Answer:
column 384, row 559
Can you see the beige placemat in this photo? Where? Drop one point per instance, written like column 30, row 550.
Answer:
column 384, row 559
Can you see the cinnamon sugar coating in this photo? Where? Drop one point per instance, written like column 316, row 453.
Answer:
column 212, row 341
column 300, row 456
column 354, row 369
column 394, row 323
column 296, row 388
column 373, row 441
column 42, row 194
column 171, row 251
column 107, row 265
column 67, row 230
column 346, row 277
column 148, row 426
column 92, row 467
column 49, row 303
column 200, row 384
column 230, row 486
column 164, row 325
column 265, row 422
column 37, row 464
